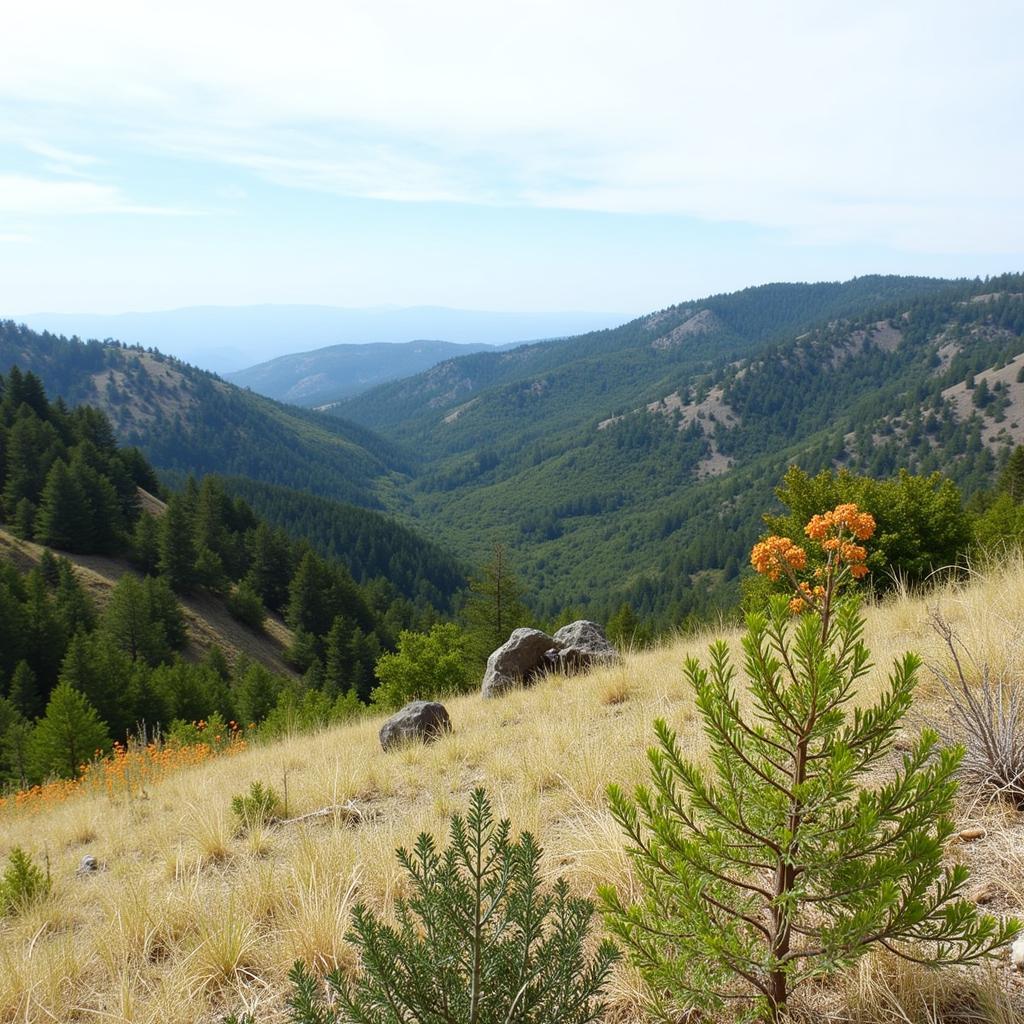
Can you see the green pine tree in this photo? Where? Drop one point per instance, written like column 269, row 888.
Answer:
column 1011, row 479
column 775, row 867
column 481, row 940
column 63, row 519
column 68, row 735
column 177, row 548
column 494, row 607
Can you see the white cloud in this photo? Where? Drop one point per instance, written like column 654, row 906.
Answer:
column 897, row 124
column 21, row 195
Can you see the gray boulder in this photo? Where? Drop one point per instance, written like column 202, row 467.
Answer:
column 581, row 645
column 422, row 720
column 517, row 661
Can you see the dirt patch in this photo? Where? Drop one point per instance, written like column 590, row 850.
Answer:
column 702, row 322
column 1010, row 431
column 456, row 413
column 150, row 503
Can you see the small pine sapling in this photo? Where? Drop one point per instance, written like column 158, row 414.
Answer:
column 785, row 860
column 258, row 808
column 479, row 941
column 22, row 883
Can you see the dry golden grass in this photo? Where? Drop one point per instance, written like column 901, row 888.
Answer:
column 188, row 920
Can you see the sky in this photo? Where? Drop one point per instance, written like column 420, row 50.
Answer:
column 549, row 155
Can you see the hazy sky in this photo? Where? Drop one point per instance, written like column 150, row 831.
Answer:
column 516, row 155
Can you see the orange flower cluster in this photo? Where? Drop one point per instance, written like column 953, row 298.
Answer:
column 806, row 597
column 836, row 532
column 126, row 771
column 775, row 555
column 843, row 518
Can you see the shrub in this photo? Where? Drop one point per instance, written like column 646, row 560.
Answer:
column 480, row 941
column 921, row 524
column 774, row 867
column 255, row 809
column 989, row 717
column 425, row 665
column 22, row 883
column 246, row 606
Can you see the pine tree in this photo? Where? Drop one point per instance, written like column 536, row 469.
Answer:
column 338, row 657
column 775, row 867
column 73, row 605
column 270, row 565
column 146, row 543
column 63, row 520
column 494, row 607
column 100, row 670
column 45, row 639
column 308, row 597
column 24, row 693
column 68, row 735
column 12, row 631
column 480, row 941
column 177, row 549
column 1011, row 479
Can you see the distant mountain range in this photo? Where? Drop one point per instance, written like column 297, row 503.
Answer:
column 228, row 338
column 341, row 371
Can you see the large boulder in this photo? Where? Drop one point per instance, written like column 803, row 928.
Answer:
column 422, row 720
column 517, row 661
column 581, row 645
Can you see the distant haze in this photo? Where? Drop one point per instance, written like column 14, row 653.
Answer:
column 226, row 338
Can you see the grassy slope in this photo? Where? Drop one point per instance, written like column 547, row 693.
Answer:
column 187, row 921
column 207, row 621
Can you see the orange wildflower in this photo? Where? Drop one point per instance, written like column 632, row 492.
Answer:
column 774, row 555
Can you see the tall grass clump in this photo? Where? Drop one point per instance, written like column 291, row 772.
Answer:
column 779, row 866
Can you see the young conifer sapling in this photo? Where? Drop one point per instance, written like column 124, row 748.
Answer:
column 802, row 845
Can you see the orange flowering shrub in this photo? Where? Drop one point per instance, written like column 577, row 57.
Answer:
column 836, row 533
column 126, row 771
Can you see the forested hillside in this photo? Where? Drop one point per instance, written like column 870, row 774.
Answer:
column 627, row 466
column 633, row 465
column 190, row 421
column 94, row 648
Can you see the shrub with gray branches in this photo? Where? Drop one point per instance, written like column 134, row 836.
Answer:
column 986, row 716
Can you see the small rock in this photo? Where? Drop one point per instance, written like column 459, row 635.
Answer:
column 968, row 835
column 517, row 661
column 986, row 893
column 1017, row 954
column 87, row 865
column 422, row 720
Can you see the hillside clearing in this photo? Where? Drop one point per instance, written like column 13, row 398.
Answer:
column 187, row 921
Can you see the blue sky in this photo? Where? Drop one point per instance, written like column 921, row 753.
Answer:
column 517, row 156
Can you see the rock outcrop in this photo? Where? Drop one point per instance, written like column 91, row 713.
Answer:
column 421, row 720
column 582, row 644
column 516, row 662
column 529, row 653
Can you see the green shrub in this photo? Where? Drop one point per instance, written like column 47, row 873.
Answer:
column 921, row 523
column 255, row 809
column 425, row 665
column 480, row 941
column 246, row 606
column 22, row 883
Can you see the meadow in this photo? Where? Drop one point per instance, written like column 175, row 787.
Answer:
column 187, row 920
